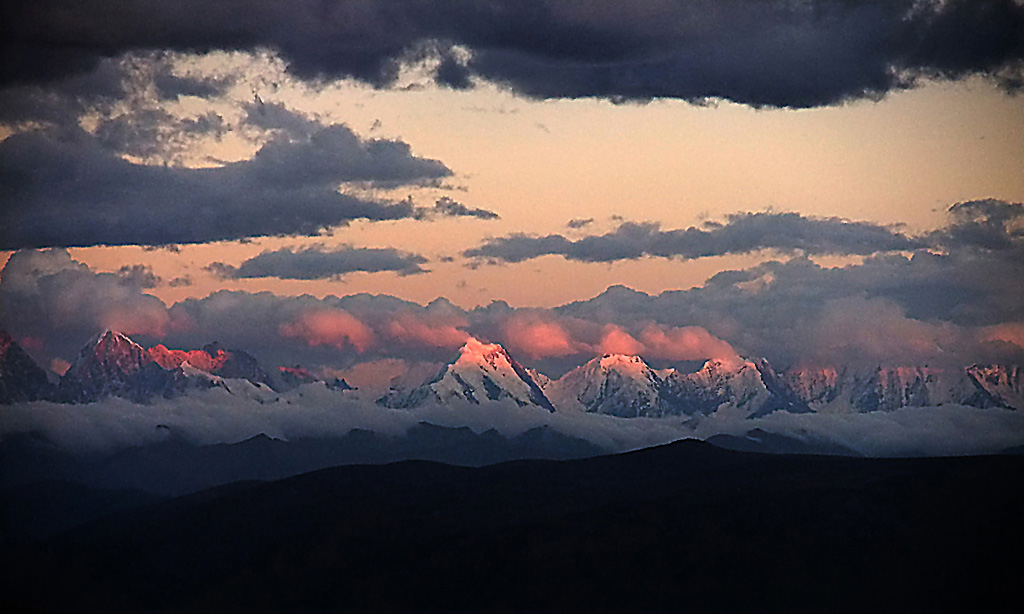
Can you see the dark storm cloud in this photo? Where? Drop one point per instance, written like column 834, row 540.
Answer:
column 153, row 133
column 69, row 189
column 322, row 263
column 759, row 52
column 170, row 86
column 742, row 233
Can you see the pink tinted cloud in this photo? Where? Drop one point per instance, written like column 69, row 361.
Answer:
column 1009, row 332
column 537, row 337
column 683, row 343
column 615, row 340
column 334, row 327
column 411, row 329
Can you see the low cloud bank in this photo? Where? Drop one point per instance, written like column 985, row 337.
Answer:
column 312, row 411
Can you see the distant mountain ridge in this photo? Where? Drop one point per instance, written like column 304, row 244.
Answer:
column 111, row 364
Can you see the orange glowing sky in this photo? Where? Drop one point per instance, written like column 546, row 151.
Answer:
column 538, row 164
column 818, row 181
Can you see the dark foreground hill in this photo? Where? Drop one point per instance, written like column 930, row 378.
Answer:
column 683, row 526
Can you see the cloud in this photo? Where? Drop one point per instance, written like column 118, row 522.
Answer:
column 991, row 225
column 536, row 336
column 217, row 416
column 683, row 343
column 322, row 263
column 170, row 86
column 334, row 327
column 955, row 302
column 139, row 275
column 760, row 52
column 1010, row 332
column 741, row 233
column 448, row 207
column 68, row 190
column 155, row 134
column 855, row 329
column 425, row 331
column 49, row 296
column 615, row 340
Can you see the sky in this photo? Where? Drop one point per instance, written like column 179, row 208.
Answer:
column 340, row 184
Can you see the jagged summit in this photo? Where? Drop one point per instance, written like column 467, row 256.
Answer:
column 883, row 388
column 111, row 364
column 749, row 387
column 293, row 377
column 626, row 386
column 614, row 384
column 482, row 372
column 21, row 379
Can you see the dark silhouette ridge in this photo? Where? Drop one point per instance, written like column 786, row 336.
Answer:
column 682, row 526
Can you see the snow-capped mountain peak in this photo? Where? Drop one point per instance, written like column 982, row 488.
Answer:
column 112, row 365
column 614, row 384
column 482, row 372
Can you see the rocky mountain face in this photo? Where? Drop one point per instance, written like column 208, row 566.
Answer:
column 292, row 377
column 626, row 386
column 890, row 388
column 111, row 364
column 613, row 384
column 114, row 365
column 215, row 360
column 483, row 372
column 1003, row 382
column 21, row 379
column 751, row 387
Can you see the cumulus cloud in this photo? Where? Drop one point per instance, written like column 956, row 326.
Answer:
column 68, row 190
column 741, row 233
column 48, row 296
column 535, row 335
column 139, row 275
column 615, row 340
column 762, row 52
column 320, row 262
column 991, row 225
column 334, row 327
column 876, row 330
column 683, row 343
column 955, row 303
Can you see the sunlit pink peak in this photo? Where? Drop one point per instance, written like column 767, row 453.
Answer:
column 623, row 363
column 111, row 336
column 476, row 352
column 726, row 363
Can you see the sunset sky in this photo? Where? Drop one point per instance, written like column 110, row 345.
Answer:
column 811, row 181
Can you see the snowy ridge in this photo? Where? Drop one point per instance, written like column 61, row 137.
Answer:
column 483, row 372
column 889, row 388
column 613, row 384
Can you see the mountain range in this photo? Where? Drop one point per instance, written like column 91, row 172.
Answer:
column 111, row 364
